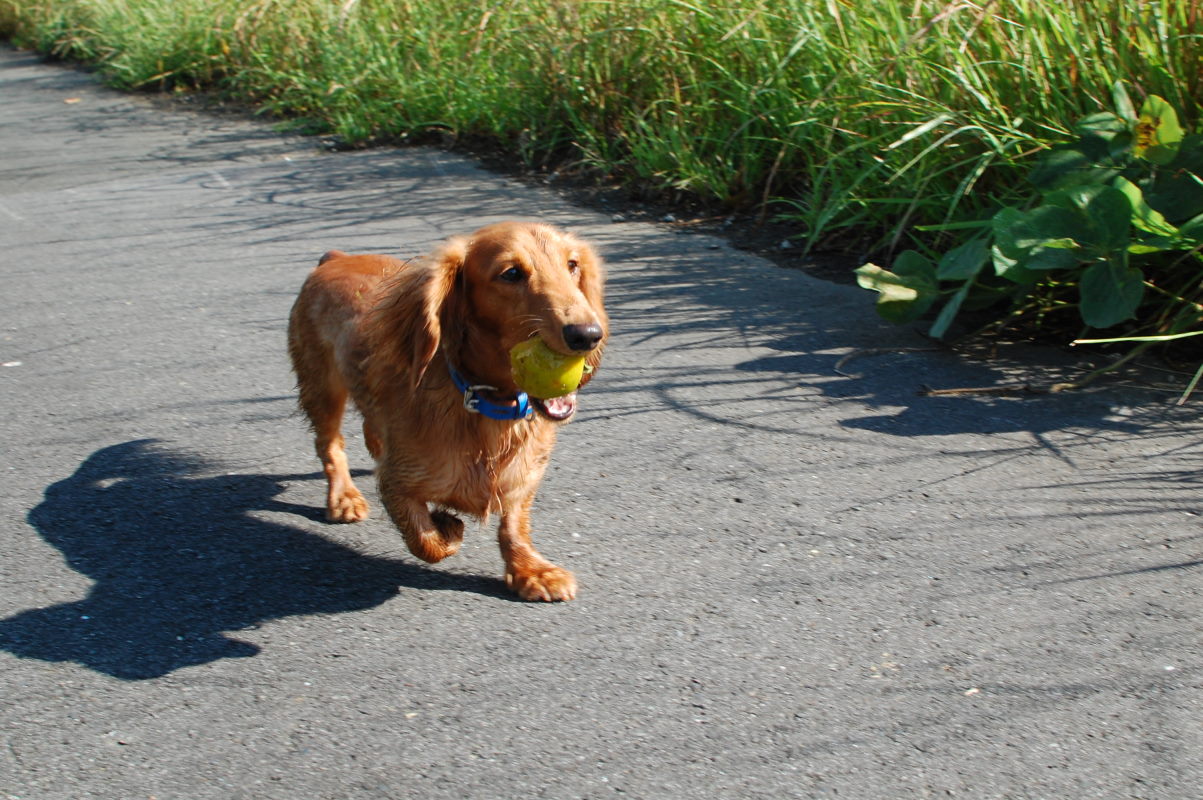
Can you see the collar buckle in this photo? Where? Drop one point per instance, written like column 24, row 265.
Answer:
column 472, row 400
column 475, row 403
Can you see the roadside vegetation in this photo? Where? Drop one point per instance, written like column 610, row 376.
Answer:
column 1112, row 233
column 868, row 126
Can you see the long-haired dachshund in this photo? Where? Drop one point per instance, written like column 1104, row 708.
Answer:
column 422, row 349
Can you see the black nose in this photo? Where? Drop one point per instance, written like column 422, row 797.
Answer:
column 582, row 337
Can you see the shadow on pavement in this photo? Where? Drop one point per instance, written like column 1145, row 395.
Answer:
column 812, row 345
column 892, row 382
column 177, row 562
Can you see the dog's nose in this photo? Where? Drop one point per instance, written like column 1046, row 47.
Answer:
column 582, row 337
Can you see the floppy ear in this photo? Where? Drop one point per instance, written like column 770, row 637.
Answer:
column 410, row 319
column 593, row 287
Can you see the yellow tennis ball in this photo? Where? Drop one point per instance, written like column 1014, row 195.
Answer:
column 542, row 372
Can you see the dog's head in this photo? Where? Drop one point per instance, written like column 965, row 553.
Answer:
column 480, row 295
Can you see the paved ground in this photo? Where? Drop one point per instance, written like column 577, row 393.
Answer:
column 794, row 583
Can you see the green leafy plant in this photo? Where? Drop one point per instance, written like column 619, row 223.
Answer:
column 1115, row 230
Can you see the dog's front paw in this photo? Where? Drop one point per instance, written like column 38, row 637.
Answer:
column 549, row 584
column 435, row 545
column 348, row 506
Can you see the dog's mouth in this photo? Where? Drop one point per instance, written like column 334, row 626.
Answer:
column 557, row 408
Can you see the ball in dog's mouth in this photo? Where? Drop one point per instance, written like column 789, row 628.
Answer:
column 547, row 375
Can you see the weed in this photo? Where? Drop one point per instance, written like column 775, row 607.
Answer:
column 1118, row 218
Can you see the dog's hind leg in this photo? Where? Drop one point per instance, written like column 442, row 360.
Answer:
column 323, row 398
column 344, row 503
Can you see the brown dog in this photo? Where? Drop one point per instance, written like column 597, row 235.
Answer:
column 422, row 348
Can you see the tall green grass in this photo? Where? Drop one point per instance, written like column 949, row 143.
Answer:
column 856, row 120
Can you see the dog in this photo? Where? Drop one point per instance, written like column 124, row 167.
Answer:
column 422, row 350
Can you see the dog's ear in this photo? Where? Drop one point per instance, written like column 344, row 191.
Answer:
column 440, row 297
column 410, row 320
column 593, row 287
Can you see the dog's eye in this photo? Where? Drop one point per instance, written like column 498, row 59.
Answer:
column 573, row 266
column 513, row 275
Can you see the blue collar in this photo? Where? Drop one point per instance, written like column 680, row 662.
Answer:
column 476, row 403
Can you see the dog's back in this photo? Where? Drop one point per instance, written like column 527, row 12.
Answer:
column 326, row 315
column 342, row 286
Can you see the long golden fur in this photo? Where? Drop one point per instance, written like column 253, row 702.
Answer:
column 387, row 333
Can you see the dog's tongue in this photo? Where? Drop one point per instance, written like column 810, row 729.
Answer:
column 560, row 407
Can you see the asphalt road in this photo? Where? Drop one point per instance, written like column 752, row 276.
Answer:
column 794, row 582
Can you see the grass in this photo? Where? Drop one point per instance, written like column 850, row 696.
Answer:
column 855, row 120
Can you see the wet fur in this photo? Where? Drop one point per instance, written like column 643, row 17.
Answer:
column 379, row 331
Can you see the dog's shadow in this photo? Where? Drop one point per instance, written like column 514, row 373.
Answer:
column 178, row 562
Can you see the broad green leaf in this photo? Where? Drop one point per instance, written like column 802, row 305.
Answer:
column 1104, row 217
column 1177, row 191
column 1022, row 242
column 1004, row 225
column 1064, row 166
column 963, row 263
column 1108, row 213
column 1104, row 125
column 1105, row 139
column 914, row 264
column 1144, row 216
column 1110, row 292
column 1119, row 152
column 1011, row 268
column 901, row 298
column 1043, row 259
column 1047, row 223
column 1158, row 133
column 1003, row 260
column 1005, row 254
